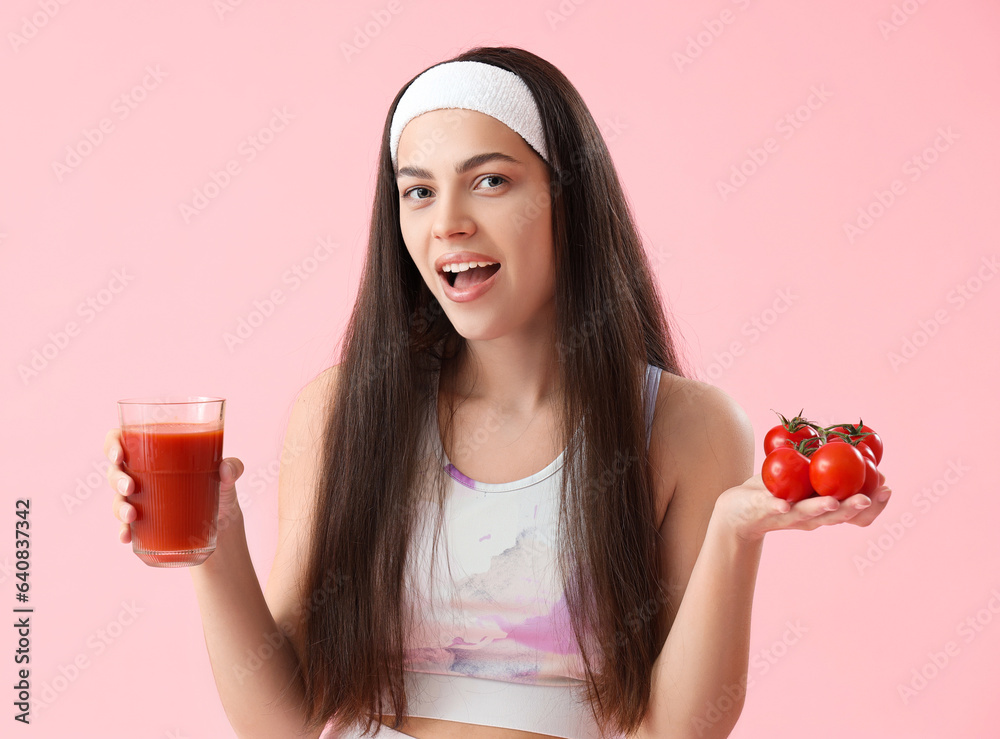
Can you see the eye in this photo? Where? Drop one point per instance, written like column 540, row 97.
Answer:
column 414, row 189
column 502, row 180
column 494, row 177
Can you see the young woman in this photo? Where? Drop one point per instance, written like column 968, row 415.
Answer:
column 507, row 513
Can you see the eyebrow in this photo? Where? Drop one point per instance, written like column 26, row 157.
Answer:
column 470, row 163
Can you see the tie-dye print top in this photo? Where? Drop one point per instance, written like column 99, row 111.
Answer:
column 492, row 642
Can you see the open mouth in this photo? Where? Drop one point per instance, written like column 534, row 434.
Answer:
column 470, row 277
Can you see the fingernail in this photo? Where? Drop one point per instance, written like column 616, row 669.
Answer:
column 113, row 456
column 229, row 468
column 862, row 504
column 123, row 485
column 125, row 511
column 883, row 496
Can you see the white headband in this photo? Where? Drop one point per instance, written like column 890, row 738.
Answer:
column 471, row 86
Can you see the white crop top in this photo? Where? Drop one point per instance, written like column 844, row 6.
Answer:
column 493, row 643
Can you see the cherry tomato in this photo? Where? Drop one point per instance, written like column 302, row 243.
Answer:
column 874, row 442
column 871, row 477
column 837, row 470
column 858, row 431
column 787, row 434
column 865, row 450
column 786, row 474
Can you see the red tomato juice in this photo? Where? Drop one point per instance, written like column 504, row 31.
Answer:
column 175, row 467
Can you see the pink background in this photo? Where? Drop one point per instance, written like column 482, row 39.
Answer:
column 869, row 606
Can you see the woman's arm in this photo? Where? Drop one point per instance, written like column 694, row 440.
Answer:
column 700, row 676
column 712, row 539
column 703, row 444
column 251, row 660
column 253, row 638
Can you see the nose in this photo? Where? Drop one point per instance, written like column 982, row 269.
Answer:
column 451, row 216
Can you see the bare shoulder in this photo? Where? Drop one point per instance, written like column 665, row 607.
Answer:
column 304, row 432
column 699, row 430
column 318, row 391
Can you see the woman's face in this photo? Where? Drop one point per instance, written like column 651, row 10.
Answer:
column 498, row 208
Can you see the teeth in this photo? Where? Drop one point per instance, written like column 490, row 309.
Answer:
column 463, row 266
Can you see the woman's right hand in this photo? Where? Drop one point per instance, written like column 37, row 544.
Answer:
column 230, row 470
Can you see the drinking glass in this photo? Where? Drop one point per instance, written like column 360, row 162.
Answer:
column 173, row 448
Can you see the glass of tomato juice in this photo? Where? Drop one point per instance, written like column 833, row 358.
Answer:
column 173, row 448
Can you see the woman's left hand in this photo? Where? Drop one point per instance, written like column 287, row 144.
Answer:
column 751, row 510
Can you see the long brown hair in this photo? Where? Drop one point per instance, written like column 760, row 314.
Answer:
column 610, row 323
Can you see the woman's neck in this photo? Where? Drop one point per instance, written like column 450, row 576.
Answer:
column 515, row 386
